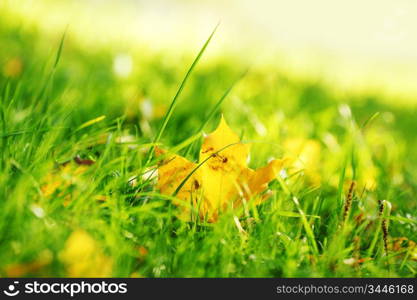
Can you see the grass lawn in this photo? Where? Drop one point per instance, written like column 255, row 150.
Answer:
column 78, row 127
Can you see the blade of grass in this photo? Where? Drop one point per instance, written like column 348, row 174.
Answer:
column 60, row 47
column 370, row 120
column 45, row 89
column 91, row 122
column 306, row 225
column 340, row 195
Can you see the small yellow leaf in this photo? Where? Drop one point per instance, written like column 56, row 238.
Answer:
column 60, row 181
column 304, row 155
column 172, row 171
column 222, row 178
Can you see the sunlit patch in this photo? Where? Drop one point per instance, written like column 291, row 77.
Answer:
column 345, row 111
column 146, row 107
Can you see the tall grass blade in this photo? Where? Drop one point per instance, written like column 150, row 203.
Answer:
column 178, row 93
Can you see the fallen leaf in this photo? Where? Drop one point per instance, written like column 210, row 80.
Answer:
column 83, row 257
column 80, row 161
column 142, row 251
column 352, row 261
column 64, row 176
column 403, row 244
column 304, row 155
column 13, row 68
column 222, row 178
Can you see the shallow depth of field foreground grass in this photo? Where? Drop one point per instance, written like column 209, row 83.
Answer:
column 77, row 197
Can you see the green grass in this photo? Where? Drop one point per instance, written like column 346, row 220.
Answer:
column 52, row 112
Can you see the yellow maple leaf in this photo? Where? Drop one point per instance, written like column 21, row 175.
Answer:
column 220, row 180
